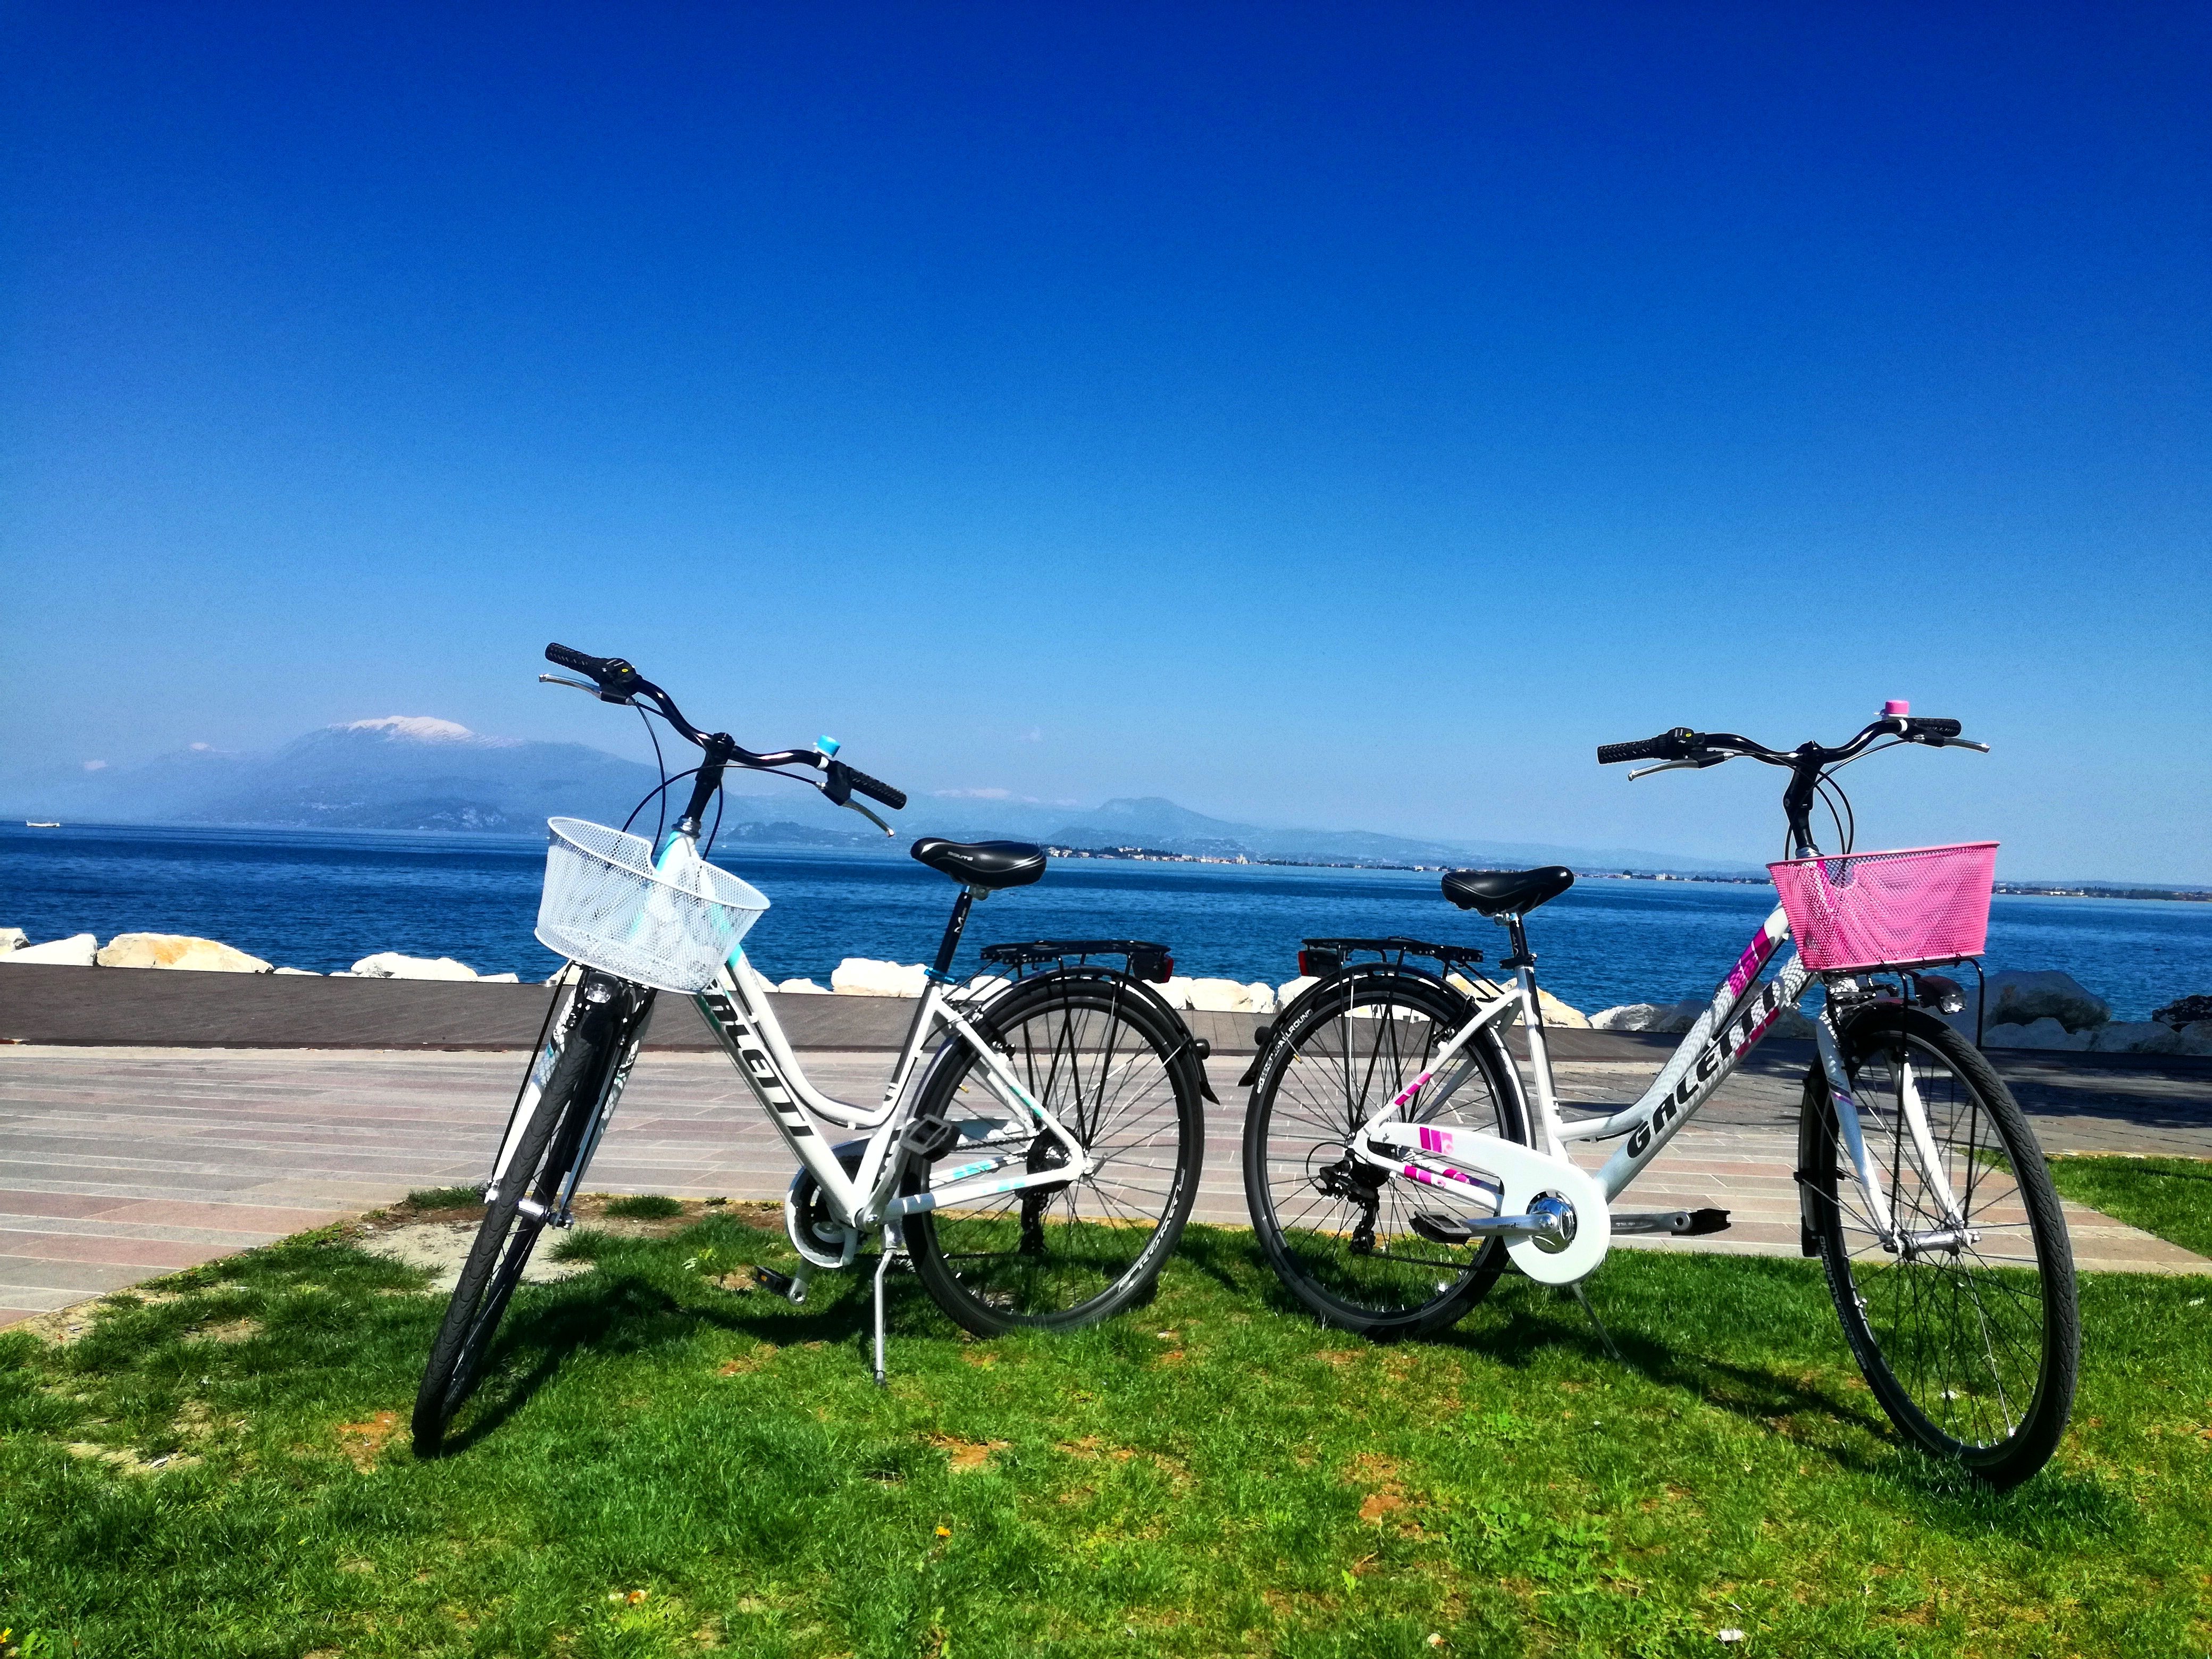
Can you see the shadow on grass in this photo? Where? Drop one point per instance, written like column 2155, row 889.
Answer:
column 625, row 1314
column 1519, row 1324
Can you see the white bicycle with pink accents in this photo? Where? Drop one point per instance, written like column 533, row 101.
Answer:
column 1395, row 1164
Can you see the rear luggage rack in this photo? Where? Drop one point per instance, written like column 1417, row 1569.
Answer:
column 1146, row 959
column 1323, row 956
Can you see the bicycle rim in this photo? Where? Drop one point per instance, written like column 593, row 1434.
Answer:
column 1101, row 1060
column 1967, row 1330
column 1366, row 1250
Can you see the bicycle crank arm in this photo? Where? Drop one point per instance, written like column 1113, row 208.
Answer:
column 1461, row 1228
column 1681, row 1224
column 1530, row 1184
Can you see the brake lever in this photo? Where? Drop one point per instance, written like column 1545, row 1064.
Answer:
column 562, row 679
column 1692, row 762
column 870, row 817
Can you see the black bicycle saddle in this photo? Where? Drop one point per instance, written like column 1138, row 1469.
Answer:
column 1506, row 892
column 992, row 864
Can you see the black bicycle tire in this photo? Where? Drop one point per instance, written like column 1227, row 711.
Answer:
column 1167, row 1037
column 2005, row 1463
column 504, row 1240
column 1445, row 1008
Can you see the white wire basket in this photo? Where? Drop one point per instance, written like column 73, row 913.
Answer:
column 605, row 906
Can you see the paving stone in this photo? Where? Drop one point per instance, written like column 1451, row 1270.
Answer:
column 200, row 1153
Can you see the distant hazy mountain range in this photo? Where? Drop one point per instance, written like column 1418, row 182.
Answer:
column 415, row 773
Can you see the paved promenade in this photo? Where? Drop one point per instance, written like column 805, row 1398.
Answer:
column 119, row 1164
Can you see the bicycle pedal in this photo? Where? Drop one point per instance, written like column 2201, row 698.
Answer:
column 929, row 1137
column 1706, row 1221
column 1441, row 1229
column 770, row 1279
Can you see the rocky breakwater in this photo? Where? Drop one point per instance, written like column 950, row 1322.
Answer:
column 182, row 952
column 2051, row 1010
column 2036, row 1009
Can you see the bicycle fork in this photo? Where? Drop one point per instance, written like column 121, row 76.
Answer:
column 1952, row 1234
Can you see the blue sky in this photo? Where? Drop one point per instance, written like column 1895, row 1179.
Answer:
column 1332, row 416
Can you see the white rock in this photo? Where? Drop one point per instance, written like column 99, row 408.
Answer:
column 499, row 979
column 1671, row 1019
column 2022, row 998
column 1628, row 1017
column 1261, row 996
column 2044, row 1033
column 304, row 973
column 804, row 987
column 77, row 951
column 567, row 974
column 863, row 976
column 2197, row 1037
column 176, row 950
column 1216, row 996
column 1295, row 987
column 390, row 964
column 13, row 939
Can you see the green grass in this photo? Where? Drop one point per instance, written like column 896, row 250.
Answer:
column 644, row 1206
column 446, row 1198
column 2169, row 1196
column 660, row 1466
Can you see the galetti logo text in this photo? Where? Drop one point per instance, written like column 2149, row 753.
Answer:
column 760, row 1070
column 1732, row 1038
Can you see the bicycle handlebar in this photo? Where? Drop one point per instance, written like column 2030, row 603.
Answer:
column 1711, row 747
column 618, row 681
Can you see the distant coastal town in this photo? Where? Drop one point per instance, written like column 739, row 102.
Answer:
column 1161, row 855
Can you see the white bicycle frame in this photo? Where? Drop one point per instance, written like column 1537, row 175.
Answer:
column 866, row 1201
column 1558, row 1216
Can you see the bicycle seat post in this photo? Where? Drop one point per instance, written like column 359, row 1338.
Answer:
column 954, row 927
column 1522, row 962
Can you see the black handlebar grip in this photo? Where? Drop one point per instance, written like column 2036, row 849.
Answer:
column 1610, row 754
column 1668, row 745
column 1932, row 728
column 877, row 790
column 568, row 658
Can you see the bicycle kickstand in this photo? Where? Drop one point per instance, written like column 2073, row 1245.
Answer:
column 1604, row 1336
column 891, row 1252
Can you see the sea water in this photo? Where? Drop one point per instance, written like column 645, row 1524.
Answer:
column 322, row 899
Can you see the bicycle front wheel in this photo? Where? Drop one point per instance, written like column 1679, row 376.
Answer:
column 542, row 1159
column 1366, row 1250
column 1964, row 1320
column 1115, row 1070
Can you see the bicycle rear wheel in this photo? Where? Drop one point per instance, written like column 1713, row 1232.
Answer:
column 1366, row 1251
column 1967, row 1331
column 543, row 1157
column 1117, row 1072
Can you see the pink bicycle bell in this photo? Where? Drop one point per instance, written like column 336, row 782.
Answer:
column 1895, row 706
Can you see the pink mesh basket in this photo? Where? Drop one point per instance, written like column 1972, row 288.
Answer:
column 1889, row 910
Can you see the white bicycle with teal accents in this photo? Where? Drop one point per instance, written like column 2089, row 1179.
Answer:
column 1035, row 1154
column 1394, row 1165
